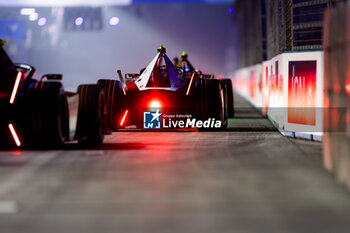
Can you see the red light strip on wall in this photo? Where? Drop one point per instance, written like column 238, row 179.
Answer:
column 15, row 88
column 189, row 85
column 14, row 135
column 122, row 122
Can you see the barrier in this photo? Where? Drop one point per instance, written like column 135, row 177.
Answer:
column 289, row 91
column 336, row 143
column 313, row 91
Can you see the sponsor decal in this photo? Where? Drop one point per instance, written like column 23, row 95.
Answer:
column 302, row 92
column 151, row 120
column 157, row 120
column 191, row 123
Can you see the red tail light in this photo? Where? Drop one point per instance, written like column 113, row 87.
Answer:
column 155, row 104
column 15, row 87
column 347, row 88
column 14, row 135
column 123, row 119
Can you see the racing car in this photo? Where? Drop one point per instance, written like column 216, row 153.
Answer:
column 39, row 113
column 225, row 84
column 163, row 97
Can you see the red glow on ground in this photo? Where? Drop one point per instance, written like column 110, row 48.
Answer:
column 14, row 135
column 16, row 153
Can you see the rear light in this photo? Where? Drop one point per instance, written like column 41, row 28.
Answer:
column 347, row 88
column 220, row 76
column 15, row 87
column 14, row 135
column 123, row 119
column 155, row 104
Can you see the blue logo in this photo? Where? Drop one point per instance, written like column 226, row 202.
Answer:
column 151, row 120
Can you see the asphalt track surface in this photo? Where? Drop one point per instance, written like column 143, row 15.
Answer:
column 246, row 179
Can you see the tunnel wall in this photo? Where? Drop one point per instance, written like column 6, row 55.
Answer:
column 336, row 144
column 289, row 91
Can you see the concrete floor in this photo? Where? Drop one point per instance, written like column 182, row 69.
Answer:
column 246, row 179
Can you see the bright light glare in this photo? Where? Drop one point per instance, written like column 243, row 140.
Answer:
column 230, row 10
column 33, row 17
column 347, row 88
column 14, row 135
column 155, row 104
column 42, row 21
column 27, row 11
column 113, row 21
column 15, row 88
column 79, row 21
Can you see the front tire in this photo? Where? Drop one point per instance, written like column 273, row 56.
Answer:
column 50, row 125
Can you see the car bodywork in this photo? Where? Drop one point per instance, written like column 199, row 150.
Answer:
column 38, row 113
column 226, row 84
column 161, row 89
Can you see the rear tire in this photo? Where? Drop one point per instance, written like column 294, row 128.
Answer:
column 229, row 97
column 212, row 101
column 91, row 115
column 113, row 93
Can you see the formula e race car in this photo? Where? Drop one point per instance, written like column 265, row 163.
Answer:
column 39, row 113
column 225, row 84
column 163, row 97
